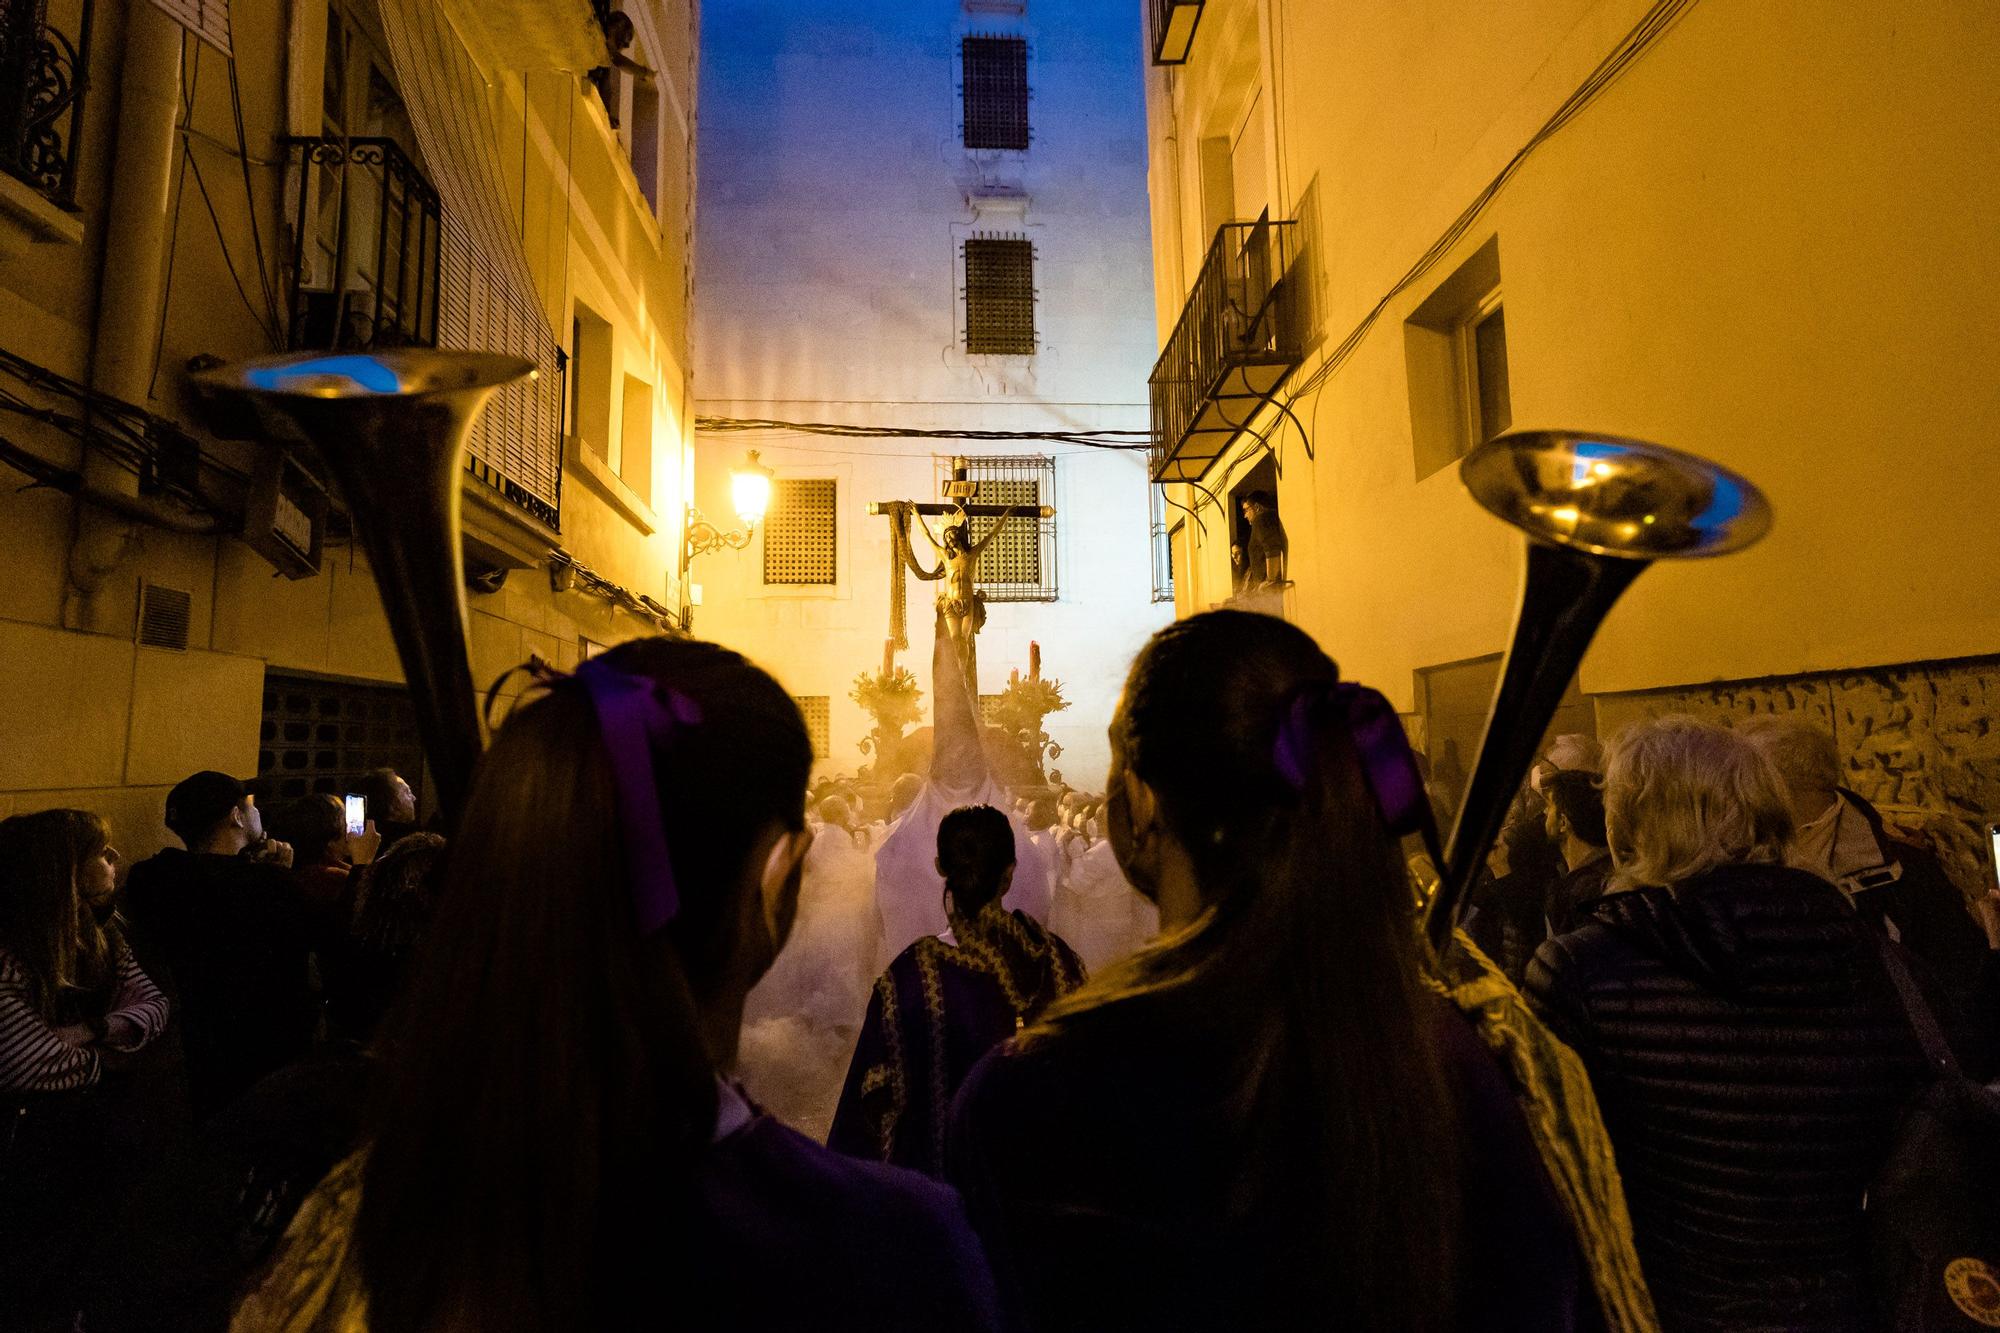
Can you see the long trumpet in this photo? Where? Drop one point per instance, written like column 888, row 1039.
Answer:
column 391, row 426
column 1598, row 509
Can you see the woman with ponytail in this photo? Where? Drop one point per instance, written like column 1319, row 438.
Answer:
column 1269, row 1118
column 554, row 1146
column 949, row 999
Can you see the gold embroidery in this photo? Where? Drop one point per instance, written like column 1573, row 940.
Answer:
column 1555, row 1094
column 893, row 1074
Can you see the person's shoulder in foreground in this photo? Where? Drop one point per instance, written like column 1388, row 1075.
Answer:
column 853, row 1240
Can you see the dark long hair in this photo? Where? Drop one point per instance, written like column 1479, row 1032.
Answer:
column 1307, row 963
column 70, row 958
column 547, row 1086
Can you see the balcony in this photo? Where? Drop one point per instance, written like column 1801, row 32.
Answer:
column 368, row 226
column 43, row 75
column 1239, row 337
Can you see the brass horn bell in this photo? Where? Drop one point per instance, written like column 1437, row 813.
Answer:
column 1597, row 510
column 390, row 426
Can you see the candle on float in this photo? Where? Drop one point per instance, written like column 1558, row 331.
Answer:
column 888, row 657
column 1034, row 661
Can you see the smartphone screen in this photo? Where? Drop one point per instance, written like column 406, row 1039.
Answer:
column 1993, row 839
column 357, row 815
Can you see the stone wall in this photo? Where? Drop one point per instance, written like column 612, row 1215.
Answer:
column 1920, row 740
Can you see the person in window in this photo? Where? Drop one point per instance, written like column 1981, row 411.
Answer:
column 1264, row 556
column 1745, row 1044
column 229, row 932
column 948, row 999
column 74, row 1006
column 553, row 1144
column 1268, row 1118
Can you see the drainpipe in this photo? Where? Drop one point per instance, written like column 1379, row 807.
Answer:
column 131, row 288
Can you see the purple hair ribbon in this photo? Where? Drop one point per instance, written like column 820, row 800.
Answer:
column 637, row 716
column 1386, row 760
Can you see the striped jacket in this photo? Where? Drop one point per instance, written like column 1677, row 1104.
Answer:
column 36, row 1057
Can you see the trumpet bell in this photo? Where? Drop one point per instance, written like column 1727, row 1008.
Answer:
column 391, row 427
column 1617, row 497
column 402, row 372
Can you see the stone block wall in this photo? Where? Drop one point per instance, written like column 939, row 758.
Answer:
column 1919, row 740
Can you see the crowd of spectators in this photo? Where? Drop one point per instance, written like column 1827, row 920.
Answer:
column 183, row 1057
column 252, row 1083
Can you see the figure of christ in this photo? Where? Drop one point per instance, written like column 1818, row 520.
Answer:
column 959, row 599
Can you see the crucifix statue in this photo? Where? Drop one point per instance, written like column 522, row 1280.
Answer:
column 961, row 606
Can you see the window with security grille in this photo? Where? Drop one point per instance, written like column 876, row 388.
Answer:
column 1020, row 565
column 995, row 92
column 325, row 736
column 1000, row 296
column 816, row 710
column 799, row 531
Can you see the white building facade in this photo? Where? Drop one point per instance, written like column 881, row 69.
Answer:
column 926, row 217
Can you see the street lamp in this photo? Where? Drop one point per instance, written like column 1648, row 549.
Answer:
column 750, row 493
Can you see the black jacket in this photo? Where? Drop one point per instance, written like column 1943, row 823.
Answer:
column 1751, row 1060
column 229, row 940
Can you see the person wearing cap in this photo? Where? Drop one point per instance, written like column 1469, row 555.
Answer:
column 224, row 926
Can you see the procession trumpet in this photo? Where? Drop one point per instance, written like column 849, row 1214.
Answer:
column 1598, row 510
column 391, row 426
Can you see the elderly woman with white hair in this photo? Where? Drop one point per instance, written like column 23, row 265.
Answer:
column 1744, row 1041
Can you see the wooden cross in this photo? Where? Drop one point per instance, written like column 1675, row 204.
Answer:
column 956, row 605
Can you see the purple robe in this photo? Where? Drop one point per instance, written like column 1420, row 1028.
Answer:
column 941, row 1006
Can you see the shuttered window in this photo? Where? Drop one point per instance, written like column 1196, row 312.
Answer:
column 1000, row 296
column 816, row 710
column 995, row 92
column 799, row 532
column 516, row 442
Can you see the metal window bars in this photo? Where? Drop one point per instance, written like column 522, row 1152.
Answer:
column 43, row 75
column 1239, row 337
column 999, row 296
column 1020, row 565
column 1163, row 545
column 800, row 532
column 994, row 94
column 367, row 228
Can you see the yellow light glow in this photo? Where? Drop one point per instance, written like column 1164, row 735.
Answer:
column 1566, row 514
column 752, row 494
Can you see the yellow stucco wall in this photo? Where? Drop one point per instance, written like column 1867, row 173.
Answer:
column 90, row 719
column 1769, row 242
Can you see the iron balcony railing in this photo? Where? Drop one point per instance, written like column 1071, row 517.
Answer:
column 43, row 75
column 367, row 228
column 1238, row 338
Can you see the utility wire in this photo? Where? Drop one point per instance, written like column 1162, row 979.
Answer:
column 264, row 275
column 1121, row 441
column 1635, row 43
